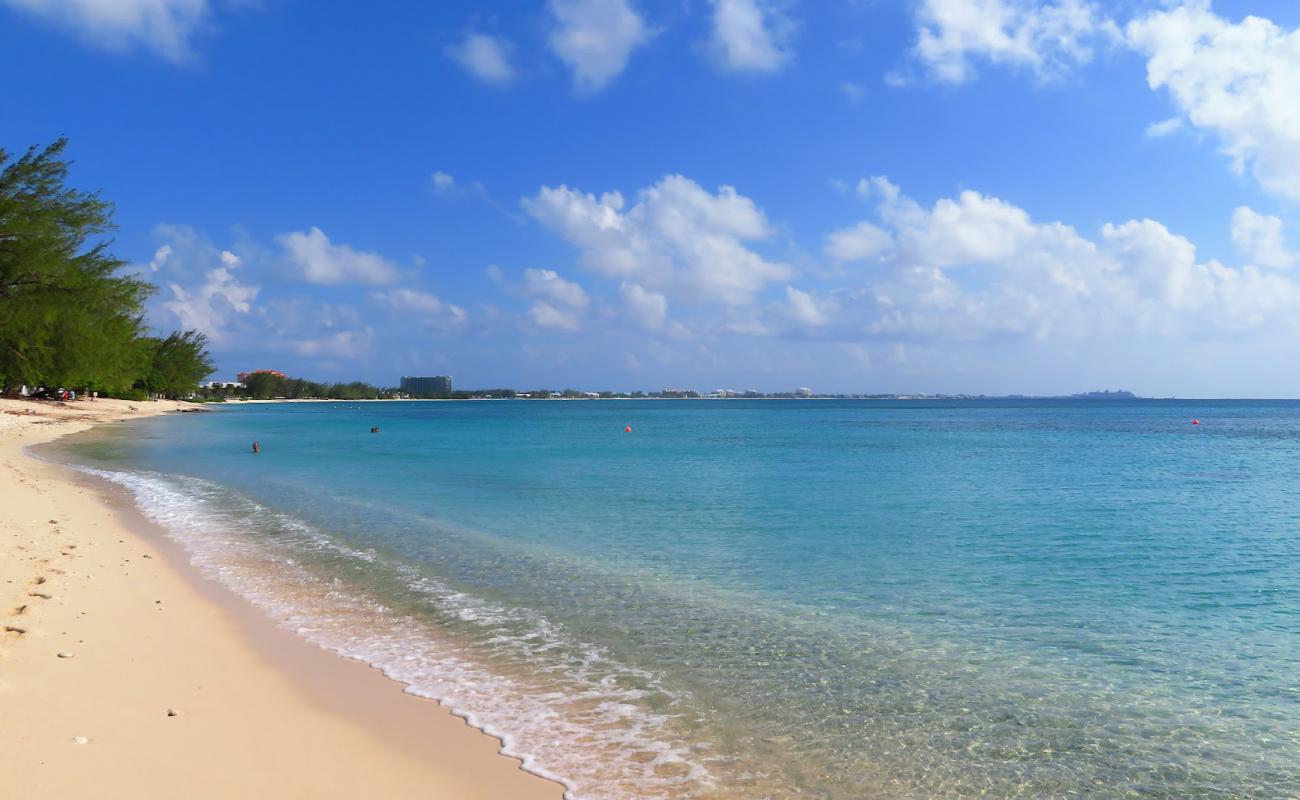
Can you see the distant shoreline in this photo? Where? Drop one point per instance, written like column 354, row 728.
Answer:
column 893, row 399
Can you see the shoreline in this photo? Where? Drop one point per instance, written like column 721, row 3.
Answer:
column 163, row 667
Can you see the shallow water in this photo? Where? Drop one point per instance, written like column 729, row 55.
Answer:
column 770, row 598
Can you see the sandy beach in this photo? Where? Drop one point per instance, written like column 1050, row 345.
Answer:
column 123, row 673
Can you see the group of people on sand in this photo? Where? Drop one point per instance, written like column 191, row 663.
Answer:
column 60, row 394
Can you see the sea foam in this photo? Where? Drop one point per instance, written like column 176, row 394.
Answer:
column 576, row 716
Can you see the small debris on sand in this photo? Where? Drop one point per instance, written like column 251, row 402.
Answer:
column 80, row 740
column 64, row 654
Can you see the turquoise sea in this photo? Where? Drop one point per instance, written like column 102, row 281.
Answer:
column 779, row 599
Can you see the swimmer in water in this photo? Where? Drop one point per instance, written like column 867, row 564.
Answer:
column 257, row 448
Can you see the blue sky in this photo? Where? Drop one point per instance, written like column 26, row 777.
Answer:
column 995, row 196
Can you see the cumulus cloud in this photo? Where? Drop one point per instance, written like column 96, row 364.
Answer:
column 345, row 345
column 320, row 261
column 858, row 242
column 485, row 57
column 546, row 315
column 1260, row 237
column 805, row 310
column 750, row 35
column 164, row 27
column 645, row 309
column 548, row 284
column 1237, row 80
column 557, row 303
column 432, row 311
column 1047, row 38
column 977, row 268
column 209, row 306
column 677, row 238
column 595, row 38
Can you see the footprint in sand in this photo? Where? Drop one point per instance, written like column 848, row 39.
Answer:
column 41, row 595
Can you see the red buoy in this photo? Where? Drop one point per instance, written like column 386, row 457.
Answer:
column 1196, row 422
column 628, row 429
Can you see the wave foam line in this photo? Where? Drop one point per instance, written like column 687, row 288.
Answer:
column 576, row 721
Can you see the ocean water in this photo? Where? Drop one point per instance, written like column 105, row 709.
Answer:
column 779, row 599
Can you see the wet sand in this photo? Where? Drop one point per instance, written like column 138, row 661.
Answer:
column 123, row 673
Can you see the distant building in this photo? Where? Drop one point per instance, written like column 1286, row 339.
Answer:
column 803, row 391
column 243, row 376
column 433, row 386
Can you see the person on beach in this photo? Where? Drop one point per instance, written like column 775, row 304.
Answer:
column 257, row 448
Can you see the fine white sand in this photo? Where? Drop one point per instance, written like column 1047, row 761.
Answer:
column 123, row 674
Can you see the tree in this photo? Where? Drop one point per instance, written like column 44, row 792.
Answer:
column 176, row 364
column 66, row 316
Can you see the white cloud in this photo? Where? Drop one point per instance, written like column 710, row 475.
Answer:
column 545, row 315
column 805, row 310
column 858, row 242
column 595, row 38
column 162, row 26
column 750, row 35
column 645, row 309
column 976, row 268
column 347, row 345
column 1236, row 80
column 1047, row 38
column 443, row 183
column 1163, row 128
column 677, row 238
column 1260, row 237
column 433, row 311
column 485, row 57
column 160, row 257
column 549, row 285
column 323, row 262
column 209, row 306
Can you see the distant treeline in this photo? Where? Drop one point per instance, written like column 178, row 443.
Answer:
column 267, row 386
column 68, row 317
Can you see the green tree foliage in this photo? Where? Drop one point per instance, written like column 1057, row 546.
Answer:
column 266, row 386
column 176, row 364
column 68, row 317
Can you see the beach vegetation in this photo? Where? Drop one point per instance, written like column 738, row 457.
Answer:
column 72, row 314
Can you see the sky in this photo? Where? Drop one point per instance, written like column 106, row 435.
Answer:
column 944, row 196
